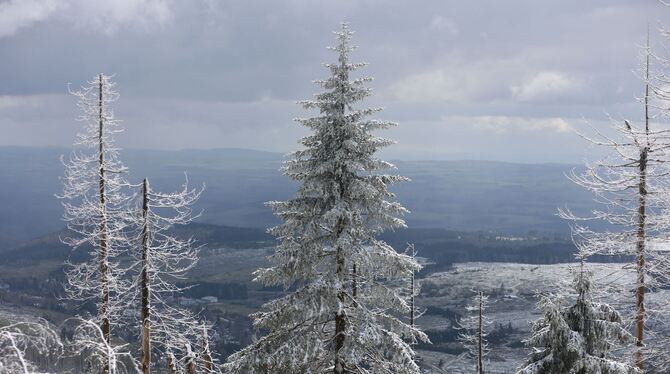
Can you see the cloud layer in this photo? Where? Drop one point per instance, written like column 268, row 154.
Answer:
column 96, row 16
column 464, row 79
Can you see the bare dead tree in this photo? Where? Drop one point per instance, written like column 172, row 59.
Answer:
column 474, row 330
column 630, row 184
column 208, row 360
column 165, row 259
column 96, row 206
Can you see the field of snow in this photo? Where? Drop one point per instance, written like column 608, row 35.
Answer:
column 513, row 290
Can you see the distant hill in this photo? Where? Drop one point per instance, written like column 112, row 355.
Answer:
column 453, row 195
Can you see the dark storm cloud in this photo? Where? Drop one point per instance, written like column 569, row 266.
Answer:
column 509, row 79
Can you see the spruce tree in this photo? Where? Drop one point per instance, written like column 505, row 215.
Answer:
column 577, row 339
column 343, row 311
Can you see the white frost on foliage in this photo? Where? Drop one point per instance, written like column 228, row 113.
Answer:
column 578, row 338
column 89, row 342
column 631, row 219
column 329, row 227
column 18, row 337
column 474, row 329
column 97, row 206
column 168, row 260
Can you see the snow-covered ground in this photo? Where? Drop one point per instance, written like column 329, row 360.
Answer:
column 513, row 290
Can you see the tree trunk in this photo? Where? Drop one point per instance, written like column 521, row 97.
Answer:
column 640, row 293
column 639, row 305
column 190, row 361
column 145, row 312
column 354, row 283
column 206, row 353
column 171, row 364
column 480, row 336
column 411, row 302
column 339, row 366
column 641, row 236
column 103, row 253
column 340, row 322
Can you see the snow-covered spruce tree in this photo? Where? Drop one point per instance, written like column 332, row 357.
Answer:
column 577, row 339
column 474, row 330
column 96, row 206
column 630, row 186
column 331, row 225
column 16, row 338
column 165, row 259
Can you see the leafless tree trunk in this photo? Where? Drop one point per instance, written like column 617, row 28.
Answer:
column 102, row 256
column 641, row 235
column 171, row 365
column 145, row 316
column 411, row 251
column 190, row 360
column 354, row 284
column 480, row 336
column 411, row 302
column 207, row 359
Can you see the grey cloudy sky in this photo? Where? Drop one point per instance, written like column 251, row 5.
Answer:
column 506, row 80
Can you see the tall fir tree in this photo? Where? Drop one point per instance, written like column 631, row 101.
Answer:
column 577, row 339
column 342, row 314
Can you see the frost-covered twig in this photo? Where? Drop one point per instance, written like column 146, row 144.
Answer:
column 17, row 338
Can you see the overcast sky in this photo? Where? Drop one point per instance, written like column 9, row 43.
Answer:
column 500, row 80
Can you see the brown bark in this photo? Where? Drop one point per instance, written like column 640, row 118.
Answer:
column 339, row 366
column 641, row 234
column 354, row 284
column 639, row 295
column 190, row 361
column 206, row 354
column 103, row 252
column 340, row 321
column 171, row 364
column 145, row 312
